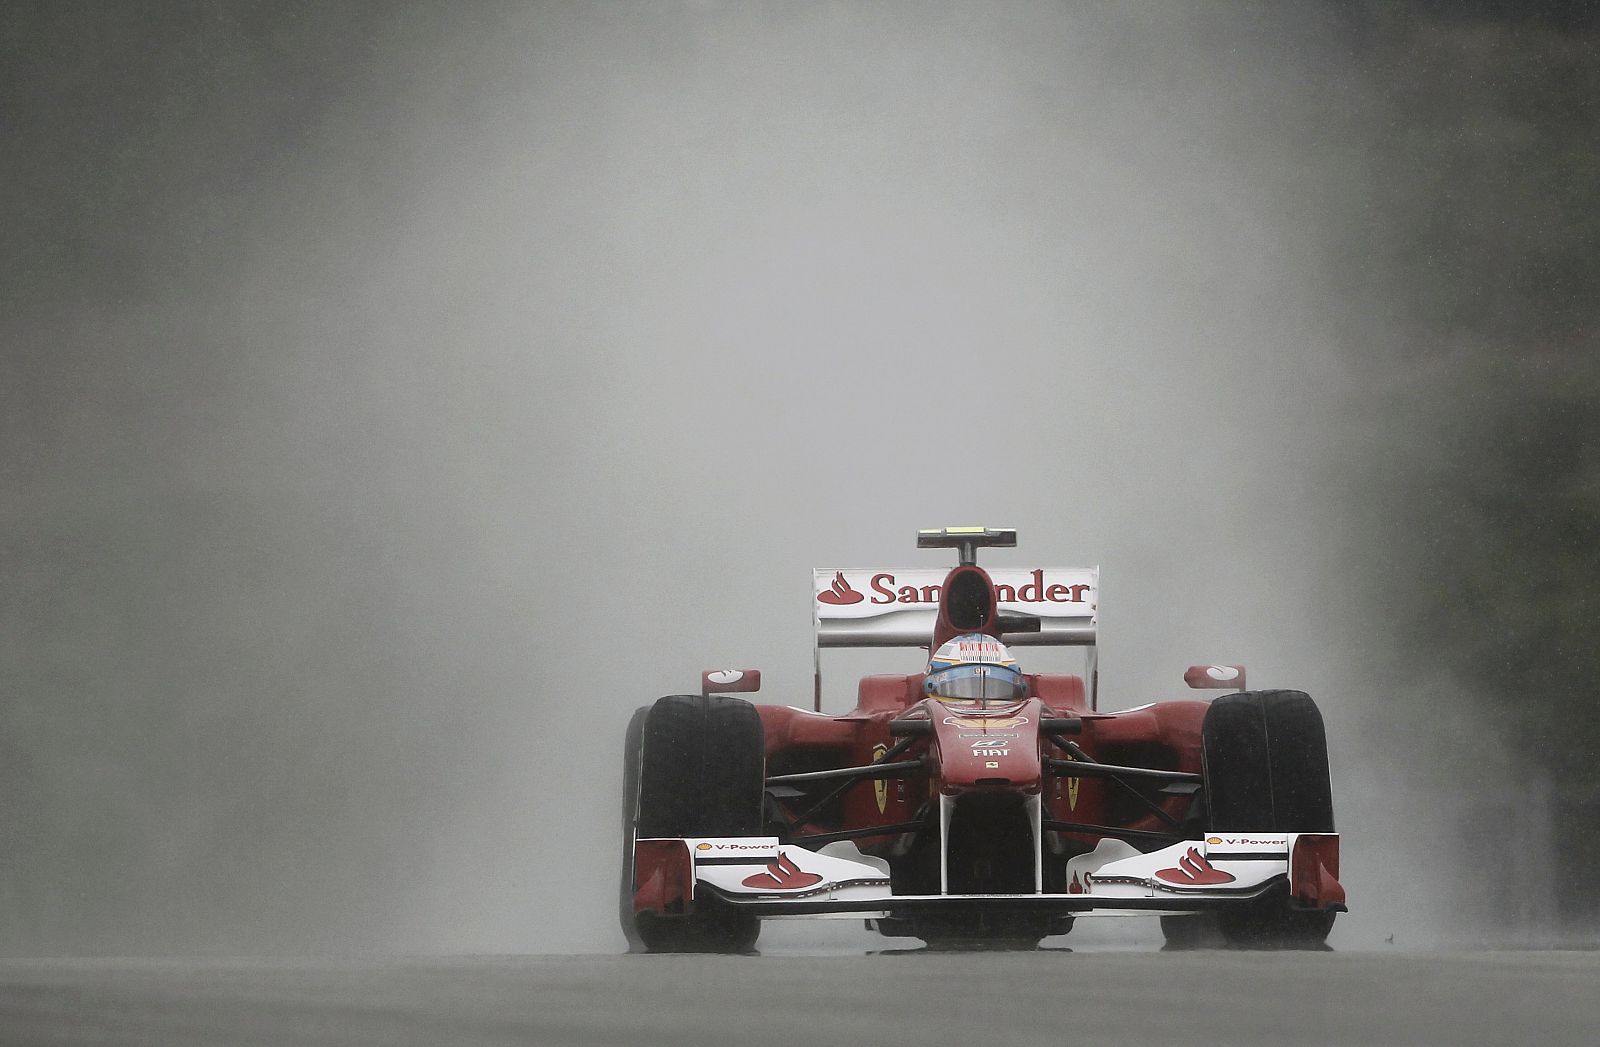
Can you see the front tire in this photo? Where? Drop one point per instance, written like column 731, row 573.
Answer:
column 1265, row 758
column 700, row 770
column 631, row 747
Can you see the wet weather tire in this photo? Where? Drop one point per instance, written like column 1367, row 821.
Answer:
column 1265, row 756
column 699, row 770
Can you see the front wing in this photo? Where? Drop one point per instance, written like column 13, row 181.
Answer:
column 761, row 875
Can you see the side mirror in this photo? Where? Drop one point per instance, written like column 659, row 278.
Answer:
column 1230, row 676
column 722, row 681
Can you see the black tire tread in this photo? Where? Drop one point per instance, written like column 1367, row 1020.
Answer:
column 631, row 744
column 1298, row 746
column 1237, row 768
column 1265, row 756
column 1265, row 761
column 701, row 772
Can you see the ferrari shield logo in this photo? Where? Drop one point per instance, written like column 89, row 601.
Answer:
column 880, row 786
column 1072, row 790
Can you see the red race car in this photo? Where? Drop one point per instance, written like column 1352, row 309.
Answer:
column 974, row 801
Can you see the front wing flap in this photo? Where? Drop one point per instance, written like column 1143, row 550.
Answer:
column 773, row 879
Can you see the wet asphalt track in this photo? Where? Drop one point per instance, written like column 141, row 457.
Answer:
column 1540, row 998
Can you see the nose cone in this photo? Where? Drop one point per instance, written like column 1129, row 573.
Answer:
column 991, row 746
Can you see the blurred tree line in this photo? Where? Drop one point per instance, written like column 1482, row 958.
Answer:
column 1465, row 260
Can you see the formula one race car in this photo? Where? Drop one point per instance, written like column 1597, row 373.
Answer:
column 975, row 802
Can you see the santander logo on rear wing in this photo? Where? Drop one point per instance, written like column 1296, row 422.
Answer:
column 868, row 607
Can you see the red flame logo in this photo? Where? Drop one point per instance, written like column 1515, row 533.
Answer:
column 783, row 875
column 1194, row 871
column 840, row 594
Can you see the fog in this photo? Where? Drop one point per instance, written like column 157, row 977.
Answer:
column 396, row 398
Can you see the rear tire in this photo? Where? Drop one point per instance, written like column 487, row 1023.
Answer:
column 1265, row 757
column 700, row 771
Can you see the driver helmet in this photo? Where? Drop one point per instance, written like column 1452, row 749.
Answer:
column 974, row 667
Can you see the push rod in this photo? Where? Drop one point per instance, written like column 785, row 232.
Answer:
column 889, row 754
column 1078, row 755
column 898, row 769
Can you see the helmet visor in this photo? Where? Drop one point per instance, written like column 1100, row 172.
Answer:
column 977, row 683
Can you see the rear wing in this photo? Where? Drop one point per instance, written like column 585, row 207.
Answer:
column 868, row 607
